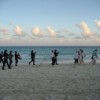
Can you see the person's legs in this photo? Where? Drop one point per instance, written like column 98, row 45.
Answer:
column 75, row 61
column 3, row 64
column 30, row 62
column 34, row 61
column 53, row 63
column 56, row 61
column 8, row 64
column 94, row 62
column 16, row 62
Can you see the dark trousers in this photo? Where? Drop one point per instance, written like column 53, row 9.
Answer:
column 1, row 60
column 16, row 61
column 53, row 60
column 56, row 61
column 10, row 62
column 5, row 62
column 76, row 61
column 32, row 60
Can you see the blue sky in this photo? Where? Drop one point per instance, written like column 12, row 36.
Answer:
column 50, row 22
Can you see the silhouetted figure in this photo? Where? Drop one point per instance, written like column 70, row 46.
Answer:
column 32, row 57
column 1, row 57
column 76, row 57
column 5, row 55
column 94, row 57
column 17, row 56
column 53, row 57
column 56, row 54
column 10, row 59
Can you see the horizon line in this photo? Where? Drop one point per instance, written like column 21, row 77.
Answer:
column 48, row 46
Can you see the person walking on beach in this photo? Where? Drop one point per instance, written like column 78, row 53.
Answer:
column 76, row 57
column 81, row 56
column 1, row 57
column 17, row 57
column 53, row 57
column 32, row 57
column 94, row 57
column 56, row 55
column 10, row 58
column 5, row 61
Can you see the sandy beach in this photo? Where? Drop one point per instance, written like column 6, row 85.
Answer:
column 47, row 82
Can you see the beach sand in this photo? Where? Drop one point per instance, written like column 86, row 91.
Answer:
column 47, row 82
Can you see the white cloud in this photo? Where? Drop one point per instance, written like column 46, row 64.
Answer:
column 37, row 32
column 85, row 29
column 4, row 31
column 97, row 23
column 19, row 32
column 51, row 31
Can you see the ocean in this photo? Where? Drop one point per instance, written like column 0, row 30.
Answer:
column 43, row 53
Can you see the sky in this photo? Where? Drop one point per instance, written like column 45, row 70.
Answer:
column 49, row 22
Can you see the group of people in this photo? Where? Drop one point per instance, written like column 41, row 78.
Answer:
column 7, row 58
column 53, row 57
column 79, row 57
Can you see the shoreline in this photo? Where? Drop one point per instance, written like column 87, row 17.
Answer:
column 59, row 62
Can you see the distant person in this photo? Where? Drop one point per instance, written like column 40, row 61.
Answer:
column 32, row 57
column 5, row 61
column 1, row 57
column 17, row 57
column 94, row 57
column 81, row 56
column 56, row 55
column 10, row 58
column 76, row 57
column 53, row 57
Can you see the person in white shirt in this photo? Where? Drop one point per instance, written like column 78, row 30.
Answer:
column 52, row 57
column 81, row 56
column 76, row 57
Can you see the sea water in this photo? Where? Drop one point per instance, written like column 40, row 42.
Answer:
column 43, row 53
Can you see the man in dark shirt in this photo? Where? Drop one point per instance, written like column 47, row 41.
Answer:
column 16, row 58
column 32, row 57
column 5, row 55
column 1, row 57
column 10, row 58
column 56, row 54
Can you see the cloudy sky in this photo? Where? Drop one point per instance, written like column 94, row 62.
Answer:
column 49, row 22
